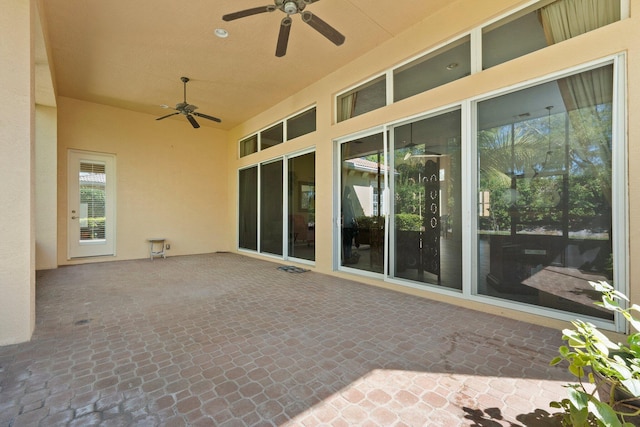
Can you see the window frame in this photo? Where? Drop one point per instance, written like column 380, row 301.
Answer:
column 283, row 122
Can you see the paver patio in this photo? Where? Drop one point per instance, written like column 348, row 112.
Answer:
column 227, row 340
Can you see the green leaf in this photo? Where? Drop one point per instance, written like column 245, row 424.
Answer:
column 555, row 361
column 632, row 385
column 577, row 398
column 576, row 370
column 604, row 413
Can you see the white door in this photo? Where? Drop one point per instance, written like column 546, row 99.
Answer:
column 91, row 204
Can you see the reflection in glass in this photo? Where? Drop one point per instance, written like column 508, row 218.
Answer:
column 271, row 224
column 452, row 62
column 301, row 124
column 537, row 27
column 427, row 230
column 248, row 209
column 302, row 206
column 249, row 145
column 544, row 215
column 364, row 98
column 362, row 223
column 272, row 136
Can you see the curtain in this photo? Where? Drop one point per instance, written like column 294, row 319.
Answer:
column 347, row 106
column 564, row 19
column 585, row 94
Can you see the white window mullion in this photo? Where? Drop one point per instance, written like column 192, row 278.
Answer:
column 619, row 185
column 259, row 208
column 469, row 199
column 285, row 207
column 390, row 95
column 476, row 50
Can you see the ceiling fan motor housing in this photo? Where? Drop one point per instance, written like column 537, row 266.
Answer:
column 290, row 8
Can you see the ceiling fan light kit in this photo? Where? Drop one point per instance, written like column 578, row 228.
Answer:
column 188, row 110
column 291, row 7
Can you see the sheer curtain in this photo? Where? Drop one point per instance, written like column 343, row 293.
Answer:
column 585, row 94
column 347, row 106
column 564, row 19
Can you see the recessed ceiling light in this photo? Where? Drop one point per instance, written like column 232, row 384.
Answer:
column 221, row 32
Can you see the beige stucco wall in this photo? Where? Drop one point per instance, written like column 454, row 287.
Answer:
column 457, row 19
column 46, row 187
column 17, row 248
column 171, row 179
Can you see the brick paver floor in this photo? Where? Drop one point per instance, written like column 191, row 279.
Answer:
column 227, row 340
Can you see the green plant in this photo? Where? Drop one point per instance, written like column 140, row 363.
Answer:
column 408, row 222
column 611, row 369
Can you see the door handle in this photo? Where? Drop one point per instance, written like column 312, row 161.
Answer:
column 75, row 217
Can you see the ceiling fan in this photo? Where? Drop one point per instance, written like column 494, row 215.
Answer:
column 188, row 110
column 291, row 7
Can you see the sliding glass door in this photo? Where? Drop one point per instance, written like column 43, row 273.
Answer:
column 302, row 206
column 426, row 232
column 269, row 222
column 545, row 184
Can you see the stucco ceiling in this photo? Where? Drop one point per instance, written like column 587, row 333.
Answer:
column 131, row 55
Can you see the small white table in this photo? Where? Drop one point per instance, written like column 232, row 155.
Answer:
column 153, row 252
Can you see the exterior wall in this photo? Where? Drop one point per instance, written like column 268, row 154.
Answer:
column 17, row 248
column 458, row 18
column 171, row 179
column 46, row 188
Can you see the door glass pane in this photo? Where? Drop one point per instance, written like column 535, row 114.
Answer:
column 362, row 222
column 248, row 209
column 445, row 65
column 427, row 225
column 302, row 206
column 544, row 215
column 92, row 215
column 271, row 225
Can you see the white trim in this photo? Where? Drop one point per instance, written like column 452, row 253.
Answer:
column 469, row 199
column 620, row 185
column 625, row 9
column 476, row 50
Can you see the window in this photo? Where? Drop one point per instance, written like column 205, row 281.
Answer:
column 301, row 124
column 272, row 136
column 445, row 65
column 249, row 145
column 533, row 29
column 547, row 171
column 298, row 125
column 367, row 97
column 518, row 34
